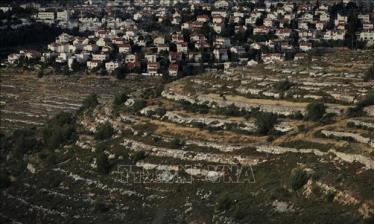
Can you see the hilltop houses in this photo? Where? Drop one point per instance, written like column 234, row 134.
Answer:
column 210, row 35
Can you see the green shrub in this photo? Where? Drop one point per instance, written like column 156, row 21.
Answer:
column 140, row 155
column 315, row 111
column 369, row 74
column 89, row 102
column 329, row 196
column 120, row 73
column 302, row 144
column 368, row 100
column 120, row 98
column 160, row 111
column 177, row 143
column 52, row 159
column 327, row 118
column 315, row 189
column 102, row 146
column 4, row 180
column 297, row 115
column 239, row 212
column 355, row 111
column 104, row 131
column 298, row 178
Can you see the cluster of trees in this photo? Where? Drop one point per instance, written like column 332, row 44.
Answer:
column 36, row 33
column 195, row 108
column 60, row 130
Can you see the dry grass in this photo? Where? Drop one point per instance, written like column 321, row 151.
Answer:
column 171, row 129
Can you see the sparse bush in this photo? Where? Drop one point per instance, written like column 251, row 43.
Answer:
column 301, row 128
column 315, row 189
column 223, row 203
column 140, row 155
column 298, row 178
column 101, row 206
column 315, row 111
column 138, row 105
column 283, row 85
column 177, row 143
column 104, row 131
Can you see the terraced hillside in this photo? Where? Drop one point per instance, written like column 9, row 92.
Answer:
column 26, row 100
column 270, row 144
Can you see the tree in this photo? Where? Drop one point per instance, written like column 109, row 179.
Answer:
column 138, row 105
column 283, row 85
column 103, row 166
column 369, row 74
column 24, row 141
column 74, row 66
column 120, row 73
column 265, row 122
column 4, row 180
column 89, row 102
column 315, row 111
column 104, row 131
